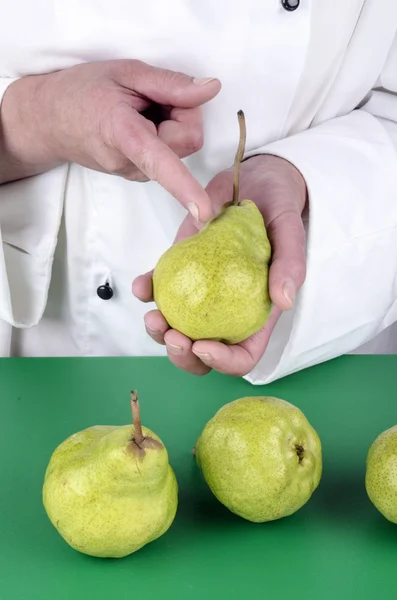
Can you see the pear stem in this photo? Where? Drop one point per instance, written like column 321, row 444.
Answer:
column 136, row 418
column 239, row 156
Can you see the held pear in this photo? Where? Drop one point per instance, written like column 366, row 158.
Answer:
column 381, row 474
column 214, row 285
column 109, row 490
column 260, row 457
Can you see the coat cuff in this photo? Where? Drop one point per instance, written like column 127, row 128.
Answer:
column 30, row 216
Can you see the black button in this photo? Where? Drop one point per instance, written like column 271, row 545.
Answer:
column 105, row 292
column 290, row 4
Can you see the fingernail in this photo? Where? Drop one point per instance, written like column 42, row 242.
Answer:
column 289, row 291
column 194, row 211
column 174, row 349
column 207, row 358
column 202, row 80
column 151, row 331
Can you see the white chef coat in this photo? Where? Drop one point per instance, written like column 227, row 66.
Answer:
column 318, row 86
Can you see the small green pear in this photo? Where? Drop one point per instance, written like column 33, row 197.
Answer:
column 109, row 490
column 260, row 457
column 214, row 285
column 381, row 474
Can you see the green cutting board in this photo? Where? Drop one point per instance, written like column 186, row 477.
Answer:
column 336, row 546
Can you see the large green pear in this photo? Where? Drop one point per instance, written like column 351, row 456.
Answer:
column 214, row 285
column 109, row 490
column 260, row 457
column 381, row 473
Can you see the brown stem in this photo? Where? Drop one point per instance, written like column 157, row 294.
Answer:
column 239, row 156
column 136, row 418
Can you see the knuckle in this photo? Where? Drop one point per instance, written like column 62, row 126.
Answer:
column 126, row 69
column 176, row 83
column 140, row 165
column 201, row 371
column 288, row 217
column 241, row 370
column 116, row 165
column 194, row 140
column 147, row 163
column 298, row 270
column 110, row 120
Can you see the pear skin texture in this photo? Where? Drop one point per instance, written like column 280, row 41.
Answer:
column 381, row 474
column 260, row 457
column 214, row 285
column 105, row 496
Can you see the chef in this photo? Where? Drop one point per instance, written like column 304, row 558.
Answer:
column 118, row 129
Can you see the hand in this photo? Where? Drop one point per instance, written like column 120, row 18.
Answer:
column 122, row 117
column 279, row 191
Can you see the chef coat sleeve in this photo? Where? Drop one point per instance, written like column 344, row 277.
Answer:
column 350, row 294
column 30, row 215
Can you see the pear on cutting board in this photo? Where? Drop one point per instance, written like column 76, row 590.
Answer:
column 214, row 285
column 381, row 474
column 260, row 457
column 109, row 490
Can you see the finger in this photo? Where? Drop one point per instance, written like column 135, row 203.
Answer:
column 142, row 287
column 159, row 163
column 183, row 131
column 288, row 268
column 186, row 230
column 237, row 360
column 179, row 350
column 134, row 173
column 114, row 161
column 156, row 326
column 220, row 189
column 165, row 86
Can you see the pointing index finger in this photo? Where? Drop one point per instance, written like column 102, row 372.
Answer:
column 159, row 163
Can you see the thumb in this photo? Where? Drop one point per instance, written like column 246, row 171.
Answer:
column 288, row 268
column 166, row 87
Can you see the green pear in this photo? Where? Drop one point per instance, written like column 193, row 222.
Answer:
column 214, row 285
column 381, row 474
column 109, row 490
column 260, row 457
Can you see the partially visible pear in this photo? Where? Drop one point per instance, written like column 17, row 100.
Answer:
column 109, row 490
column 260, row 457
column 214, row 285
column 381, row 474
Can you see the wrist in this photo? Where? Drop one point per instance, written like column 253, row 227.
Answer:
column 25, row 144
column 282, row 172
